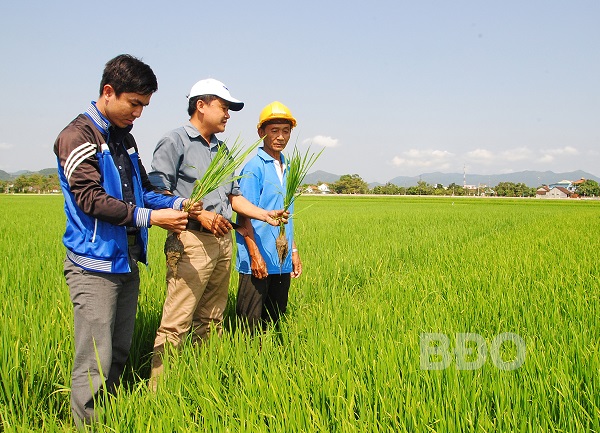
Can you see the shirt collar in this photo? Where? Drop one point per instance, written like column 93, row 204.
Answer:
column 264, row 155
column 193, row 132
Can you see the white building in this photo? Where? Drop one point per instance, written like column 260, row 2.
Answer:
column 324, row 188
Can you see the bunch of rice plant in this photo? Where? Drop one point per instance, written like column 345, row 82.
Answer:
column 297, row 169
column 220, row 171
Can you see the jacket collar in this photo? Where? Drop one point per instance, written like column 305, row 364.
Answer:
column 102, row 123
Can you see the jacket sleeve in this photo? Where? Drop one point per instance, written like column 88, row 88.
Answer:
column 154, row 197
column 76, row 152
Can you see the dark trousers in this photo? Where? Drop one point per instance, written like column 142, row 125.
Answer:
column 262, row 301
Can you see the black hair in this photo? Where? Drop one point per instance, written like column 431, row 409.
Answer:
column 207, row 99
column 127, row 74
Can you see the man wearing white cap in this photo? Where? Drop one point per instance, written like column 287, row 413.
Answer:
column 197, row 296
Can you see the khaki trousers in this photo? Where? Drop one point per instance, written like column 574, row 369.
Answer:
column 197, row 298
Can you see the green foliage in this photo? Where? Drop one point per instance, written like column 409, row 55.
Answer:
column 454, row 189
column 589, row 188
column 31, row 183
column 221, row 170
column 297, row 169
column 347, row 356
column 422, row 188
column 389, row 189
column 503, row 189
column 350, row 184
column 511, row 189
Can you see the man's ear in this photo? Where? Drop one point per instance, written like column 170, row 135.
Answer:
column 108, row 91
column 200, row 104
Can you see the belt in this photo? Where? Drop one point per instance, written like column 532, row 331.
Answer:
column 195, row 225
column 131, row 240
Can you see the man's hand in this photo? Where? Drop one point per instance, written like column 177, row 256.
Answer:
column 194, row 210
column 243, row 207
column 276, row 217
column 258, row 266
column 214, row 223
column 296, row 264
column 169, row 219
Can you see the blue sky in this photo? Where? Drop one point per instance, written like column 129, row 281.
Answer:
column 390, row 88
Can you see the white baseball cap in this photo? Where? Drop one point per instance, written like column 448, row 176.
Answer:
column 210, row 86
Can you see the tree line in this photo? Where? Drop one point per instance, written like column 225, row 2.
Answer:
column 31, row 183
column 347, row 184
column 353, row 184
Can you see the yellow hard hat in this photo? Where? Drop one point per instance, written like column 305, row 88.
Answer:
column 275, row 110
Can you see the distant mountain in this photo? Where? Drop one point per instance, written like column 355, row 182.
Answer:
column 321, row 176
column 48, row 171
column 529, row 178
column 311, row 178
column 10, row 176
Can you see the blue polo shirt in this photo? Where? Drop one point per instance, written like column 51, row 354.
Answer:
column 262, row 187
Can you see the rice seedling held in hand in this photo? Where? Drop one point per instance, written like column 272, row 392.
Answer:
column 220, row 171
column 297, row 169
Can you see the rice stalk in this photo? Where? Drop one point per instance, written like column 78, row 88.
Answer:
column 297, row 169
column 219, row 172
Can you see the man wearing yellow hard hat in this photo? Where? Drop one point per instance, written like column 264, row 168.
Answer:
column 264, row 280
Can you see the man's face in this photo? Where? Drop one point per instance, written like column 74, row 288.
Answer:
column 276, row 137
column 122, row 110
column 216, row 114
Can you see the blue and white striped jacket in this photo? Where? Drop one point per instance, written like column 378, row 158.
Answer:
column 100, row 244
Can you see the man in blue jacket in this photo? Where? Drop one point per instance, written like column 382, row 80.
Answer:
column 109, row 205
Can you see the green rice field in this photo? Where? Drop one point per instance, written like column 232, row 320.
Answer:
column 380, row 275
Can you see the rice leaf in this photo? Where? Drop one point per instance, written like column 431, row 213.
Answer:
column 221, row 170
column 297, row 169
